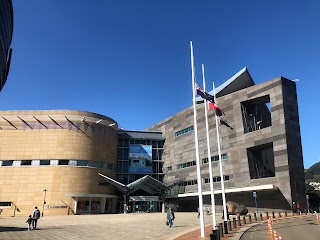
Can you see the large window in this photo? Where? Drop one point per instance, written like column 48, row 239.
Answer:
column 256, row 114
column 261, row 161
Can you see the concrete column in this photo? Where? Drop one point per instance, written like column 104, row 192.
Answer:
column 90, row 205
column 75, row 205
column 103, row 204
column 163, row 208
column 114, row 205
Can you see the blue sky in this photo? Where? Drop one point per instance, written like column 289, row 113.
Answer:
column 130, row 60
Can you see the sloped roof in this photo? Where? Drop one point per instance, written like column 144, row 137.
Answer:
column 240, row 80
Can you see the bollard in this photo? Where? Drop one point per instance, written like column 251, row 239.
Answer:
column 306, row 211
column 239, row 221
column 261, row 218
column 279, row 213
column 250, row 220
column 225, row 227
column 267, row 214
column 221, row 230
column 234, row 223
column 285, row 213
column 244, row 220
column 215, row 234
column 273, row 214
column 229, row 226
column 255, row 217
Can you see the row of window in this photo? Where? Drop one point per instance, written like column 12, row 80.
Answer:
column 184, row 131
column 206, row 180
column 187, row 164
column 85, row 163
column 217, row 179
column 127, row 142
column 215, row 158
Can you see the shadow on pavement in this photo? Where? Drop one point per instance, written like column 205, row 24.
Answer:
column 12, row 229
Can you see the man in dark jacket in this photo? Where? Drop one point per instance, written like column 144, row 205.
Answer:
column 35, row 216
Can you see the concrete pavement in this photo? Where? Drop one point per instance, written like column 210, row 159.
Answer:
column 135, row 226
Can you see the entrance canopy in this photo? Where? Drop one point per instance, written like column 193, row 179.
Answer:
column 146, row 183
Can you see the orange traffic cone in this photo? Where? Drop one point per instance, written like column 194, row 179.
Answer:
column 283, row 216
column 300, row 214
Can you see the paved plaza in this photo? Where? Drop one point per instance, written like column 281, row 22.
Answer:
column 107, row 226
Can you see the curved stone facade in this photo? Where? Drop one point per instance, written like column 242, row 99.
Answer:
column 6, row 30
column 60, row 151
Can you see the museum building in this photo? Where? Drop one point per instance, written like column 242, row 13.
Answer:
column 77, row 162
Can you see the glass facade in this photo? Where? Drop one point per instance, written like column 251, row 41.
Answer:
column 127, row 142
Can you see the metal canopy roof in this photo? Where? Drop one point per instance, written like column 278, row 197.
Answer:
column 146, row 183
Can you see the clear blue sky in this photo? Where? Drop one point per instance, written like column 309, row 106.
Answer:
column 130, row 60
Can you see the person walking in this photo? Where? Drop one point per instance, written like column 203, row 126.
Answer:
column 29, row 221
column 170, row 217
column 298, row 207
column 35, row 217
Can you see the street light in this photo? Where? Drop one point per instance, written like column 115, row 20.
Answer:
column 44, row 200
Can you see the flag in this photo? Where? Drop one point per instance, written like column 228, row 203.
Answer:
column 210, row 98
column 222, row 122
column 204, row 94
column 219, row 111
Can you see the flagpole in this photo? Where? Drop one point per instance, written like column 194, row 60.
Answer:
column 197, row 145
column 221, row 173
column 213, row 205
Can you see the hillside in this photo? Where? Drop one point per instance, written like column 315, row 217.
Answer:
column 312, row 174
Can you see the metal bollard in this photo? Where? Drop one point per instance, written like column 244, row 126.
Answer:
column 239, row 221
column 225, row 227
column 267, row 214
column 221, row 230
column 244, row 220
column 255, row 217
column 279, row 214
column 229, row 226
column 261, row 218
column 250, row 220
column 273, row 214
column 285, row 213
column 234, row 223
column 306, row 211
column 215, row 234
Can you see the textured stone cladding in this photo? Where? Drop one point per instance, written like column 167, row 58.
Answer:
column 294, row 149
column 235, row 142
column 24, row 185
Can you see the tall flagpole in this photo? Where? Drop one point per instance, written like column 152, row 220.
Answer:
column 197, row 145
column 221, row 173
column 213, row 205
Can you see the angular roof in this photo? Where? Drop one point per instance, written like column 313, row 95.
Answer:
column 240, row 80
column 146, row 183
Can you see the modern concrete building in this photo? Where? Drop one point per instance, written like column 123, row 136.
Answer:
column 74, row 162
column 55, row 157
column 6, row 30
column 261, row 150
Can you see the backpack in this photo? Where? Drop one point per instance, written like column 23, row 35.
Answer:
column 37, row 214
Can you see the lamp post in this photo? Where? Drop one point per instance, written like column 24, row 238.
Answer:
column 255, row 200
column 44, row 200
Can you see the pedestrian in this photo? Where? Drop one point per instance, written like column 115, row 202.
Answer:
column 298, row 207
column 170, row 217
column 294, row 207
column 198, row 213
column 35, row 217
column 29, row 221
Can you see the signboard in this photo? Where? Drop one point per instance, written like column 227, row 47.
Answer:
column 140, row 158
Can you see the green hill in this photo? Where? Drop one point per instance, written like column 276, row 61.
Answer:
column 312, row 174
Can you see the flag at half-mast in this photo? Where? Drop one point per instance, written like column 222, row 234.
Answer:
column 210, row 98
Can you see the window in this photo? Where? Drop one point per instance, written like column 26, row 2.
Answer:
column 63, row 162
column 5, row 204
column 184, row 131
column 7, row 163
column 26, row 162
